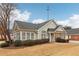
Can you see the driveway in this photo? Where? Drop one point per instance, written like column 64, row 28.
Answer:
column 74, row 42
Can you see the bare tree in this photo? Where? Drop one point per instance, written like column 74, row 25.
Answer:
column 67, row 27
column 5, row 12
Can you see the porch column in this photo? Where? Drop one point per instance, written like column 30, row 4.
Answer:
column 49, row 37
column 20, row 35
column 25, row 35
column 54, row 37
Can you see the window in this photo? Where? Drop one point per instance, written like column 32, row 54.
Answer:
column 17, row 36
column 32, row 36
column 43, row 35
column 23, row 35
column 28, row 36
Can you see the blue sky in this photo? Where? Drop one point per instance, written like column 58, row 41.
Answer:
column 60, row 11
column 63, row 13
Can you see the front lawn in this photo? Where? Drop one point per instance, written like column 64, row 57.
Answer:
column 48, row 49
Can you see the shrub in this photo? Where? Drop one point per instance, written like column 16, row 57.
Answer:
column 28, row 42
column 17, row 43
column 68, row 41
column 34, row 42
column 4, row 44
column 61, row 40
column 10, row 42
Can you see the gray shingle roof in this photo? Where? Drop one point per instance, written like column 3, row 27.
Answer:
column 26, row 25
column 73, row 31
column 51, row 29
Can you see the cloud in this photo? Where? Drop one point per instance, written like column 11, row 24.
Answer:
column 19, row 15
column 62, row 22
column 36, row 21
column 72, row 21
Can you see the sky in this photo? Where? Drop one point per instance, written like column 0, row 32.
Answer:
column 66, row 14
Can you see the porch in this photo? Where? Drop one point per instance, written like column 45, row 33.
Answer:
column 55, row 35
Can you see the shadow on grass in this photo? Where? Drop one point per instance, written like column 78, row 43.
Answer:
column 20, row 47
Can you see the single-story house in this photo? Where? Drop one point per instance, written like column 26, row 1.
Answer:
column 73, row 34
column 46, row 30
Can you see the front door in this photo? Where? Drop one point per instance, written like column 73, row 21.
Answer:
column 52, row 37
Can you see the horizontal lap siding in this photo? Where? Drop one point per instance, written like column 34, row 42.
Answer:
column 75, row 37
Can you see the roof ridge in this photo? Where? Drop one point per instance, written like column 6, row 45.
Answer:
column 23, row 21
column 23, row 24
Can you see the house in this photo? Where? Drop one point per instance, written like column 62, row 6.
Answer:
column 46, row 30
column 73, row 34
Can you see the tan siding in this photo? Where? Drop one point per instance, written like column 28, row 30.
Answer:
column 50, row 24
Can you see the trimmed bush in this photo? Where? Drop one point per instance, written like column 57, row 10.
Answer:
column 4, row 44
column 2, row 39
column 34, row 42
column 61, row 40
column 27, row 43
column 67, row 41
column 17, row 43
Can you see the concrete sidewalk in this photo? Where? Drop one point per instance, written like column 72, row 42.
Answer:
column 72, row 41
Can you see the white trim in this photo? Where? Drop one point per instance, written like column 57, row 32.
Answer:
column 30, row 35
column 34, row 36
column 25, row 35
column 54, row 37
column 61, row 28
column 49, row 37
column 43, row 25
column 47, row 23
column 65, row 33
column 20, row 35
column 15, row 25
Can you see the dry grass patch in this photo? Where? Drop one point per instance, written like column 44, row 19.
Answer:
column 49, row 49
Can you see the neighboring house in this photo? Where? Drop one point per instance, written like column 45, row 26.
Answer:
column 46, row 30
column 73, row 34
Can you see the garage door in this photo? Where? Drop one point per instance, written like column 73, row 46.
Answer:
column 75, row 37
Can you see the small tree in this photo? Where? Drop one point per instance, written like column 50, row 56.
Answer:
column 5, row 12
column 67, row 27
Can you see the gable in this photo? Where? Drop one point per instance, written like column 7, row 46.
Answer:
column 50, row 24
column 60, row 28
column 15, row 27
column 26, row 25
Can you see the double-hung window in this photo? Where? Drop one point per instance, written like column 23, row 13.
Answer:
column 28, row 35
column 32, row 36
column 17, row 35
column 23, row 35
column 43, row 34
